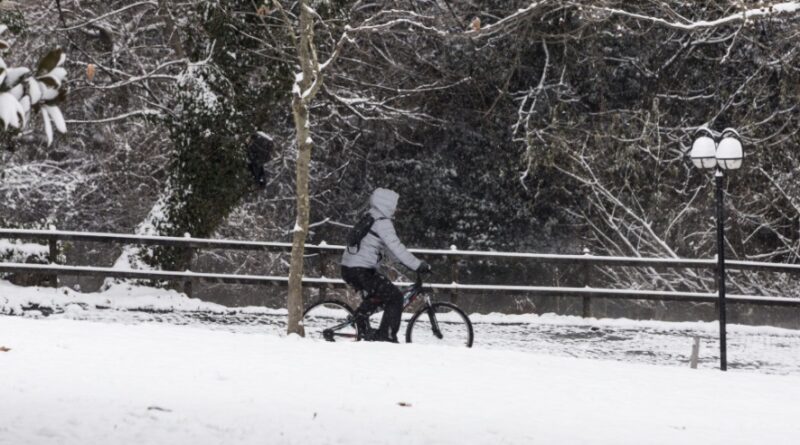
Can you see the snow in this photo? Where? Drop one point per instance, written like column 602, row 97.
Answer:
column 34, row 90
column 265, row 135
column 193, row 82
column 13, row 75
column 130, row 258
column 787, row 7
column 20, row 251
column 48, row 126
column 746, row 15
column 10, row 111
column 117, row 296
column 57, row 118
column 750, row 348
column 68, row 381
column 99, row 370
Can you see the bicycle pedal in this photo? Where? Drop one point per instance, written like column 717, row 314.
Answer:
column 327, row 334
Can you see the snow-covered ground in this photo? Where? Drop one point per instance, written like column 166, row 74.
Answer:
column 99, row 376
column 82, row 382
column 759, row 349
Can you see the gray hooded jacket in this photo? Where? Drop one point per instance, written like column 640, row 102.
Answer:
column 383, row 204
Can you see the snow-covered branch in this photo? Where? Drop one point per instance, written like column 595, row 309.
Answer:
column 145, row 112
column 779, row 9
column 152, row 3
column 507, row 23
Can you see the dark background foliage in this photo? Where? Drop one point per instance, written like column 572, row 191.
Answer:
column 555, row 128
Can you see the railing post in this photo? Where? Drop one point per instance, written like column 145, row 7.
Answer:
column 189, row 284
column 323, row 271
column 587, row 283
column 53, row 257
column 453, row 275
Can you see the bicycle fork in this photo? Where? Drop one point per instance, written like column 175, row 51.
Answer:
column 434, row 323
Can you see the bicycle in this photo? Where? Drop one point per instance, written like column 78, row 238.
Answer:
column 442, row 323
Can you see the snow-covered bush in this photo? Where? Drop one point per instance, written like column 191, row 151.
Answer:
column 18, row 252
column 23, row 93
column 208, row 173
column 14, row 251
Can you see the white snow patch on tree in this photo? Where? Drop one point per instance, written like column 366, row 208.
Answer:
column 16, row 103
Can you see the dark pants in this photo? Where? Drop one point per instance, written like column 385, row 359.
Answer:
column 379, row 292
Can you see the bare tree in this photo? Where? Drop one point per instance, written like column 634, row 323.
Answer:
column 615, row 113
column 370, row 24
column 306, row 86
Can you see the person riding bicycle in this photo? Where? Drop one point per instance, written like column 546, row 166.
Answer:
column 360, row 267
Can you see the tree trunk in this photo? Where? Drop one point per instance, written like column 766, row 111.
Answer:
column 294, row 301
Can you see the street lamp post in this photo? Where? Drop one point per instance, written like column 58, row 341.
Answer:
column 719, row 154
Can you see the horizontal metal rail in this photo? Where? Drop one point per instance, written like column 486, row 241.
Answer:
column 206, row 243
column 146, row 240
column 586, row 261
column 160, row 275
column 336, row 283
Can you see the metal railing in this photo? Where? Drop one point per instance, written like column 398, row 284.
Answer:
column 327, row 252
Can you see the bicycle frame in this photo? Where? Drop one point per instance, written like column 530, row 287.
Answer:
column 409, row 297
column 413, row 291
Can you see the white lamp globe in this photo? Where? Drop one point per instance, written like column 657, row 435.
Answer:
column 729, row 154
column 703, row 152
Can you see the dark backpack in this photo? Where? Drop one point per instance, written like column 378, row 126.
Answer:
column 359, row 231
column 259, row 151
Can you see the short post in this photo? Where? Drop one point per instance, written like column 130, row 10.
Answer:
column 53, row 258
column 695, row 352
column 587, row 283
column 453, row 275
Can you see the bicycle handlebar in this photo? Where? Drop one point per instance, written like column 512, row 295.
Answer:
column 418, row 281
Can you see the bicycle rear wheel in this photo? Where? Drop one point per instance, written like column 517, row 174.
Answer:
column 440, row 324
column 330, row 320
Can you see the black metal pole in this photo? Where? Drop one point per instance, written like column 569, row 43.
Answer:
column 723, row 359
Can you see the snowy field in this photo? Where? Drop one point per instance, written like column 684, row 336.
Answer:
column 757, row 349
column 84, row 375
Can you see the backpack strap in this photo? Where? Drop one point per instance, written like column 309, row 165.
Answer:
column 373, row 222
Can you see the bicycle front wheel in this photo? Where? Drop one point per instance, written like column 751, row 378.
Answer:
column 440, row 324
column 330, row 320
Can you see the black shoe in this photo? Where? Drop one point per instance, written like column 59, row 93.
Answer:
column 379, row 336
column 364, row 332
column 370, row 336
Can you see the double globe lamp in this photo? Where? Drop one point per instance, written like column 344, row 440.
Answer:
column 719, row 154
